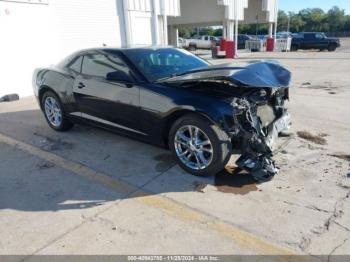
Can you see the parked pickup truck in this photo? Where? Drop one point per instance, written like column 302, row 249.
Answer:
column 314, row 41
column 202, row 42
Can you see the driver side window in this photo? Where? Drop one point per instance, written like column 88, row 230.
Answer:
column 98, row 65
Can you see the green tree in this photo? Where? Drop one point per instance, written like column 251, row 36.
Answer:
column 336, row 19
column 206, row 31
column 282, row 23
column 296, row 23
column 184, row 32
column 313, row 19
column 218, row 32
column 347, row 23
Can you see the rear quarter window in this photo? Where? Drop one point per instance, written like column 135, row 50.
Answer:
column 100, row 65
column 75, row 65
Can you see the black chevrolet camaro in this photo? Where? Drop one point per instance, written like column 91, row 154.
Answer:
column 171, row 98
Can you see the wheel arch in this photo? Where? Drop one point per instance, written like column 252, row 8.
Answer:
column 174, row 116
column 43, row 89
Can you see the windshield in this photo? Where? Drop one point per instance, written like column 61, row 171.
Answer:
column 157, row 64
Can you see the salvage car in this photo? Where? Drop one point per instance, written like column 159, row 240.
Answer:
column 172, row 98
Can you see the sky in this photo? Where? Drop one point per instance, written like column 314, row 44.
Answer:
column 297, row 5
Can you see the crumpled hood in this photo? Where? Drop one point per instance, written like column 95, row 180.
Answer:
column 267, row 74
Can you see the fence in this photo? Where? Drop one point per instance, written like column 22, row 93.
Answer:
column 283, row 44
column 255, row 45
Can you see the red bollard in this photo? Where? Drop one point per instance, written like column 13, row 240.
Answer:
column 230, row 49
column 270, row 43
column 222, row 44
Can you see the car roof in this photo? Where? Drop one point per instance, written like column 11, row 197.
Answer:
column 109, row 50
column 121, row 49
column 117, row 50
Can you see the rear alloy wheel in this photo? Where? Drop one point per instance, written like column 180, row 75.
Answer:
column 200, row 147
column 54, row 113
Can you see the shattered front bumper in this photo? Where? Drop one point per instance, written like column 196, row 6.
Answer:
column 258, row 147
column 280, row 125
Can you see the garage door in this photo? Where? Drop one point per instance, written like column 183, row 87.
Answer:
column 82, row 24
column 43, row 32
column 25, row 41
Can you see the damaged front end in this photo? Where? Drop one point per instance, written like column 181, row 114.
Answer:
column 260, row 117
column 257, row 139
column 257, row 96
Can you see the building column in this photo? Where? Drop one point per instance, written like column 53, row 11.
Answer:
column 236, row 27
column 174, row 36
column 126, row 24
column 236, row 37
column 230, row 30
column 276, row 19
column 155, row 24
column 224, row 30
column 270, row 30
column 165, row 23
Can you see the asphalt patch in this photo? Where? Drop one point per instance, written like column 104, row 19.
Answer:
column 317, row 139
column 53, row 144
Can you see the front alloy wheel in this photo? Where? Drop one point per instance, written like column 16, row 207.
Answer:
column 200, row 147
column 193, row 147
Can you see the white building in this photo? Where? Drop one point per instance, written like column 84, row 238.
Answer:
column 37, row 33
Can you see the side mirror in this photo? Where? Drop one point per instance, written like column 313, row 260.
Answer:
column 119, row 76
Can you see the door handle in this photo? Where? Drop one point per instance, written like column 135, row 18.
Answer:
column 81, row 85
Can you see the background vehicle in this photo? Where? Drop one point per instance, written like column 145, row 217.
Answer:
column 314, row 41
column 283, row 35
column 180, row 42
column 242, row 39
column 170, row 97
column 202, row 42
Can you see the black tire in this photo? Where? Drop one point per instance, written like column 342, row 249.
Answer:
column 192, row 47
column 294, row 48
column 65, row 124
column 220, row 142
column 332, row 48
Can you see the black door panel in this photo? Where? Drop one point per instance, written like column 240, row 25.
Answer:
column 103, row 100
